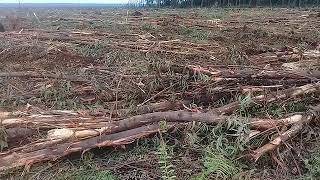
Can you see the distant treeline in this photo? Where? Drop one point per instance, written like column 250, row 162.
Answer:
column 228, row 3
column 59, row 5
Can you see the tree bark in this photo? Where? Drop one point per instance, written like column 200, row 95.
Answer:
column 17, row 159
column 40, row 75
column 292, row 92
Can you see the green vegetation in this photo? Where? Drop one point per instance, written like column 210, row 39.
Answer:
column 313, row 166
column 121, row 76
column 217, row 166
column 278, row 110
column 165, row 153
column 80, row 173
column 95, row 50
column 235, row 57
column 195, row 34
column 231, row 3
column 86, row 169
column 3, row 138
column 165, row 156
column 148, row 27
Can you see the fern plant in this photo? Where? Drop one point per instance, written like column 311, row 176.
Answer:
column 166, row 167
column 218, row 165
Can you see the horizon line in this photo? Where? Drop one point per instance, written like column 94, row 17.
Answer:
column 55, row 3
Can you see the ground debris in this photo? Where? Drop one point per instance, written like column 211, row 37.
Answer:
column 137, row 13
column 241, row 85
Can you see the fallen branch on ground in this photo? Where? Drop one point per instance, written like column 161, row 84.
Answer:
column 247, row 73
column 18, row 159
column 272, row 145
column 155, row 107
column 40, row 75
column 291, row 92
column 63, row 141
column 68, row 126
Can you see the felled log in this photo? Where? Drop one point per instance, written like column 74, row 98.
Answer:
column 248, row 73
column 17, row 159
column 16, row 133
column 75, row 127
column 154, row 107
column 291, row 92
column 79, row 120
column 41, row 75
column 54, row 121
column 283, row 137
column 63, row 141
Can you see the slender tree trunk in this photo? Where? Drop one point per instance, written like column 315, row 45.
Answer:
column 202, row 3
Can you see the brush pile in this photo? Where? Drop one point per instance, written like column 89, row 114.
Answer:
column 34, row 135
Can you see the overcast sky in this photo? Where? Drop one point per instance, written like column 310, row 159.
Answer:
column 65, row 1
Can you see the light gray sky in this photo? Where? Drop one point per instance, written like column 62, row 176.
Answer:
column 65, row 1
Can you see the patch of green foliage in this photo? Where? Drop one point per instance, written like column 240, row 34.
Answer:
column 61, row 97
column 3, row 138
column 213, row 13
column 260, row 33
column 278, row 110
column 183, row 30
column 235, row 57
column 112, row 26
column 218, row 166
column 201, row 77
column 85, row 174
column 221, row 146
column 86, row 170
column 231, row 138
column 165, row 153
column 148, row 27
column 95, row 50
column 313, row 165
column 195, row 34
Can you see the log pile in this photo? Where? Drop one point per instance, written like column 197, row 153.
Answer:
column 53, row 134
column 29, row 136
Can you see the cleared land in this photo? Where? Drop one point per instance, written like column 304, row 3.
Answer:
column 190, row 93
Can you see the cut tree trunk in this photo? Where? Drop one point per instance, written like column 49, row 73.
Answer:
column 17, row 159
column 40, row 75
